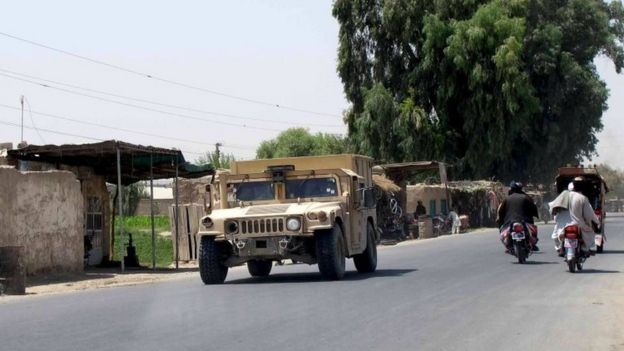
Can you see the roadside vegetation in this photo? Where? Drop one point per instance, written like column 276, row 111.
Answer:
column 141, row 229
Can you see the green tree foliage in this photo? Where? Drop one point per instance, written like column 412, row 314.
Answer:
column 299, row 142
column 502, row 88
column 218, row 160
column 615, row 180
column 132, row 194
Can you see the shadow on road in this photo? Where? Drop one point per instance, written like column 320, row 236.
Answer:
column 612, row 252
column 537, row 263
column 316, row 277
column 594, row 271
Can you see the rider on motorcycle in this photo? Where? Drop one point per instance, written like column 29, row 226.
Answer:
column 517, row 207
column 571, row 207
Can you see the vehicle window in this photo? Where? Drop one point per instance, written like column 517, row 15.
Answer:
column 252, row 191
column 311, row 187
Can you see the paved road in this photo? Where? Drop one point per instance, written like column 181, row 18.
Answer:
column 451, row 293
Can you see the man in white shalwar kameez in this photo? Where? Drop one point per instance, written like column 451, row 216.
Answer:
column 572, row 207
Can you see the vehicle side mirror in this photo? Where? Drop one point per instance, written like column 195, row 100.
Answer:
column 366, row 198
column 208, row 200
column 370, row 198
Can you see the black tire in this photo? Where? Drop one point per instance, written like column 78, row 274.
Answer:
column 366, row 262
column 259, row 268
column 520, row 253
column 330, row 253
column 572, row 265
column 211, row 268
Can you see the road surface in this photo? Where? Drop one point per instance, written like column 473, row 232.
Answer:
column 450, row 293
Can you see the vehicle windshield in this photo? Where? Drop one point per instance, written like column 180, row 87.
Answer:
column 311, row 187
column 251, row 191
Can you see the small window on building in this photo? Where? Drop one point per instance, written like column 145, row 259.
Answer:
column 432, row 208
column 444, row 206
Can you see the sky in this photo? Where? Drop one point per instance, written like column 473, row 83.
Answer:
column 238, row 59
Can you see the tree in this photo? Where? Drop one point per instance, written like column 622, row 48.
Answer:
column 218, row 160
column 615, row 180
column 500, row 87
column 299, row 142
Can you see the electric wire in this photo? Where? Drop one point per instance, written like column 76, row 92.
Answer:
column 167, row 105
column 32, row 120
column 79, row 136
column 128, row 130
column 141, row 107
column 168, row 81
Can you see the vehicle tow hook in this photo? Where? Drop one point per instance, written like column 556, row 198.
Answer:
column 283, row 243
column 240, row 244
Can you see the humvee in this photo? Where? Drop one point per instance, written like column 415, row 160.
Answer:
column 314, row 210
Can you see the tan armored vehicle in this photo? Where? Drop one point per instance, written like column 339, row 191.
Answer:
column 315, row 210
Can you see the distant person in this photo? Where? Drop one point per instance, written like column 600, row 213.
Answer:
column 420, row 210
column 455, row 221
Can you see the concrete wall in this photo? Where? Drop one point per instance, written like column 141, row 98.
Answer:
column 426, row 193
column 43, row 211
column 161, row 207
column 95, row 186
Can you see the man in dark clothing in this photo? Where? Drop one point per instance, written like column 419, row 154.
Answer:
column 420, row 210
column 518, row 207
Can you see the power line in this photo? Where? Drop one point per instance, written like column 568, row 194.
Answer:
column 32, row 119
column 169, row 81
column 76, row 135
column 140, row 107
column 167, row 105
column 127, row 130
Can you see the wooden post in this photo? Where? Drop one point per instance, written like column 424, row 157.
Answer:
column 12, row 270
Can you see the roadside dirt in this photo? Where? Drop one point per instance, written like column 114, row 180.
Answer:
column 96, row 278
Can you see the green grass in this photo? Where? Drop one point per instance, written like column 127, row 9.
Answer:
column 161, row 223
column 141, row 229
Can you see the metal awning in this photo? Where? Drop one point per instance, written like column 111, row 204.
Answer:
column 122, row 164
column 136, row 161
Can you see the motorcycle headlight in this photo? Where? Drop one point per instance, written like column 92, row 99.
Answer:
column 293, row 224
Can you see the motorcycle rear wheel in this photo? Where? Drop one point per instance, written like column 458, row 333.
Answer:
column 572, row 265
column 520, row 253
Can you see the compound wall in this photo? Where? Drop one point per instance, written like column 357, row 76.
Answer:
column 44, row 213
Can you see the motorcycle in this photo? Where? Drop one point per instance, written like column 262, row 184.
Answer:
column 441, row 225
column 572, row 241
column 520, row 245
column 517, row 239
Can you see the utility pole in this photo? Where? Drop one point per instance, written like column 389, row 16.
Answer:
column 217, row 160
column 22, row 134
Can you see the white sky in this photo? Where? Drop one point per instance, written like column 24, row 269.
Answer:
column 282, row 52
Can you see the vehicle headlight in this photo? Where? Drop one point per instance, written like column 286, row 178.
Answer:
column 231, row 227
column 207, row 222
column 317, row 216
column 293, row 224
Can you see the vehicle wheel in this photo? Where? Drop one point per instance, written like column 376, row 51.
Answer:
column 520, row 253
column 572, row 265
column 259, row 268
column 366, row 262
column 330, row 253
column 211, row 269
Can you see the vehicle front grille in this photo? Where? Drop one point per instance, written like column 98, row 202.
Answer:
column 262, row 226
